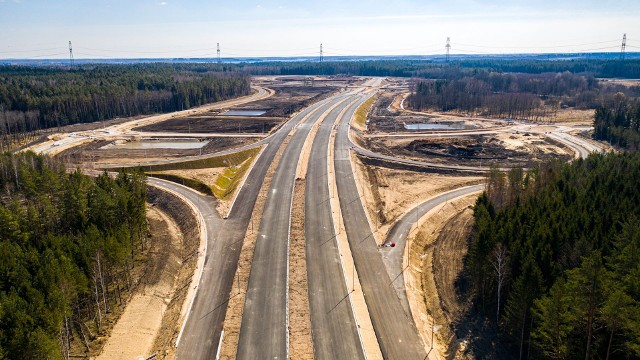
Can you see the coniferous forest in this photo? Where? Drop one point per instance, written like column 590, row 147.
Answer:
column 34, row 98
column 67, row 242
column 554, row 261
column 617, row 120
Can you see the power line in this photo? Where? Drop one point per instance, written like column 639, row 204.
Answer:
column 624, row 45
column 27, row 51
column 541, row 47
column 272, row 50
column 142, row 52
column 44, row 56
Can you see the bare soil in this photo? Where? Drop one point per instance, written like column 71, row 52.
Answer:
column 470, row 336
column 206, row 176
column 215, row 124
column 448, row 255
column 503, row 149
column 188, row 225
column 94, row 155
column 389, row 193
column 291, row 95
column 575, row 117
column 300, row 342
column 623, row 82
column 422, row 292
column 134, row 333
column 388, row 117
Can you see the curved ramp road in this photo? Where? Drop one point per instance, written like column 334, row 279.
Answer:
column 333, row 327
column 393, row 256
column 264, row 332
column 200, row 336
column 582, row 147
column 396, row 332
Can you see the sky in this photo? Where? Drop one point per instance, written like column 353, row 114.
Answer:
column 36, row 29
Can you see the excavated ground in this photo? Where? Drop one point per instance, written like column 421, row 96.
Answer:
column 503, row 149
column 290, row 97
column 94, row 153
column 215, row 124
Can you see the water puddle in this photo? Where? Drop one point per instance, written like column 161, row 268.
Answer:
column 157, row 144
column 244, row 112
column 430, row 126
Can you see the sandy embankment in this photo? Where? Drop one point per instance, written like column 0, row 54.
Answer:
column 134, row 334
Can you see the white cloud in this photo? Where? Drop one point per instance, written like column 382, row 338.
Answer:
column 163, row 3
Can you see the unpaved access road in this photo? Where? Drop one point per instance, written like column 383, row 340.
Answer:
column 69, row 140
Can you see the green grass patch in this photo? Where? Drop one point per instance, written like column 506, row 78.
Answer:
column 229, row 179
column 229, row 160
column 188, row 182
column 363, row 111
column 236, row 166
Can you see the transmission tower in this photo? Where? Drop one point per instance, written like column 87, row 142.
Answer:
column 448, row 47
column 71, row 60
column 624, row 46
column 321, row 53
column 218, row 44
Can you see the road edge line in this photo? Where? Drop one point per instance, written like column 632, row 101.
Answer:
column 293, row 187
column 244, row 179
column 197, row 276
column 407, row 275
column 372, row 351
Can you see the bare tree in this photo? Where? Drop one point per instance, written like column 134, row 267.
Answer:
column 499, row 259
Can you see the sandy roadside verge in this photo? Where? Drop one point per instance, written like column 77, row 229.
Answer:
column 419, row 281
column 367, row 334
column 134, row 334
column 235, row 306
column 300, row 341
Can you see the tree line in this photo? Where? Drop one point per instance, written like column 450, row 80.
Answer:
column 34, row 98
column 617, row 121
column 67, row 244
column 554, row 259
column 511, row 95
column 455, row 69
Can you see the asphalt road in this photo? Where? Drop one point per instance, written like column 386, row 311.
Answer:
column 201, row 335
column 396, row 332
column 583, row 147
column 264, row 332
column 264, row 329
column 333, row 327
column 393, row 256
